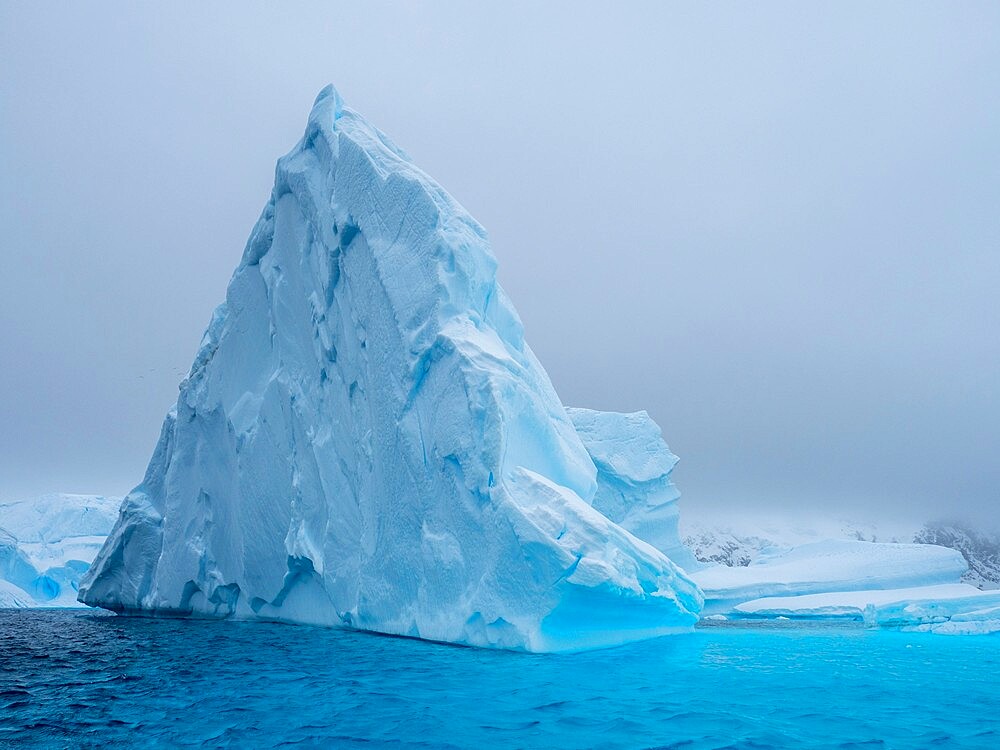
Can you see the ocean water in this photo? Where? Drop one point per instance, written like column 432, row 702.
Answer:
column 80, row 679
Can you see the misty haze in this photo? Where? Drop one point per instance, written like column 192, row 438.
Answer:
column 787, row 254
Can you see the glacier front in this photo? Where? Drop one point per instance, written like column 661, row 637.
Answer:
column 366, row 440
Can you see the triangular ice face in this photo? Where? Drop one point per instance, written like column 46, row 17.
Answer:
column 366, row 440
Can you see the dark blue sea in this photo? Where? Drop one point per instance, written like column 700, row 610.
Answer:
column 77, row 679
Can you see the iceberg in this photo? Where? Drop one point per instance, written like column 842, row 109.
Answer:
column 15, row 568
column 366, row 440
column 810, row 568
column 847, row 605
column 48, row 542
column 835, row 565
column 948, row 609
column 969, row 612
column 634, row 487
column 13, row 597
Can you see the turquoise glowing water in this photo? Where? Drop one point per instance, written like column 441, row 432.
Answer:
column 77, row 679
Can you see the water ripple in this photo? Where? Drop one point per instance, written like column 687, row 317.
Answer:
column 72, row 679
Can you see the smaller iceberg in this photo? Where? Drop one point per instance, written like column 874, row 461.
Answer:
column 835, row 565
column 968, row 612
column 847, row 605
column 809, row 568
column 47, row 543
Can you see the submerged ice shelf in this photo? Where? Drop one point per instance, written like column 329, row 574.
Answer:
column 366, row 440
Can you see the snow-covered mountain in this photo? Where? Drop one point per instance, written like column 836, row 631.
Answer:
column 47, row 543
column 980, row 549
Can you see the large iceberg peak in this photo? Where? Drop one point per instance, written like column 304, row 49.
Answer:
column 330, row 100
column 365, row 439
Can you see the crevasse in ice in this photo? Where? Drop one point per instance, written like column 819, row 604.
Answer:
column 366, row 440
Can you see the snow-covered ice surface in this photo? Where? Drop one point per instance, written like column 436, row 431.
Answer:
column 954, row 609
column 14, row 597
column 738, row 538
column 48, row 542
column 973, row 613
column 850, row 605
column 365, row 439
column 829, row 566
column 816, row 568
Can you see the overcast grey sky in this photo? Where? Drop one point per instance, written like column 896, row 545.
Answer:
column 776, row 227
